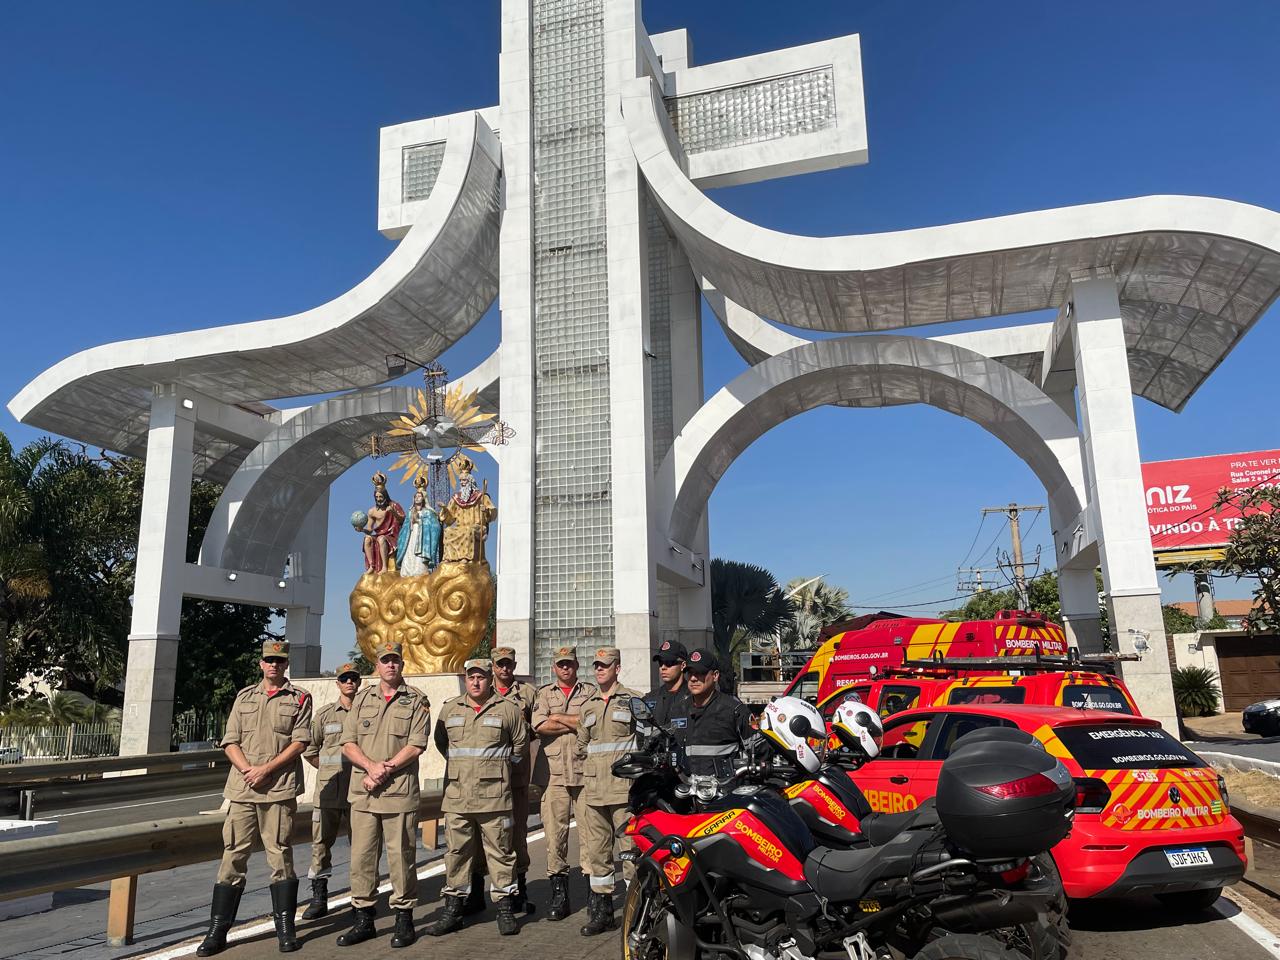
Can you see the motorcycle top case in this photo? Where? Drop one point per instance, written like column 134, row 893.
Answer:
column 1001, row 800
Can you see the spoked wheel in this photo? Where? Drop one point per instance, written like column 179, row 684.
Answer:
column 968, row 946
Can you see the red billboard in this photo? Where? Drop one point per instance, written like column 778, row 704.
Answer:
column 1180, row 496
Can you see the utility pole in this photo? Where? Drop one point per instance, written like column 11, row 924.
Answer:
column 1013, row 511
column 970, row 579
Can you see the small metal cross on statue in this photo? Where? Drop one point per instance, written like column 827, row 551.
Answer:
column 443, row 422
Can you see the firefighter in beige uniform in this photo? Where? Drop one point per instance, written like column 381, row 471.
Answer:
column 329, row 806
column 606, row 730
column 483, row 737
column 522, row 695
column 558, row 769
column 383, row 735
column 267, row 731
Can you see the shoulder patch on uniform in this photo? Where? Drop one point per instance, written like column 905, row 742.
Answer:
column 589, row 719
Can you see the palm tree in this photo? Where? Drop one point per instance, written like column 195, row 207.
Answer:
column 818, row 604
column 746, row 601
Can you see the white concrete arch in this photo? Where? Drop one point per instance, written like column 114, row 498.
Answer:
column 866, row 371
column 1194, row 273
column 433, row 287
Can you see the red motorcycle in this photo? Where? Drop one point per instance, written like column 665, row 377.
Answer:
column 726, row 868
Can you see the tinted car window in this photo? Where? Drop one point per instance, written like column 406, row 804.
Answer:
column 1094, row 697
column 902, row 741
column 896, row 698
column 956, row 726
column 988, row 695
column 1116, row 747
column 806, row 688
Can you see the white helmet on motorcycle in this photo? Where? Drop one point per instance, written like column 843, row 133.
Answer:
column 857, row 727
column 789, row 722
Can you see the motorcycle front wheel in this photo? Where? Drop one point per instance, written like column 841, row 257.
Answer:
column 648, row 925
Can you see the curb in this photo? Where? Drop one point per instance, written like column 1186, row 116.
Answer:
column 1271, row 767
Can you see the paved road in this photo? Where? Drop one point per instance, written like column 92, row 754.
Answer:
column 119, row 813
column 173, row 911
column 1259, row 748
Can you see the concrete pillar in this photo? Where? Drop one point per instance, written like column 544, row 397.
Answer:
column 310, row 555
column 1082, row 618
column 514, row 566
column 157, row 593
column 302, row 630
column 1113, row 474
column 635, row 603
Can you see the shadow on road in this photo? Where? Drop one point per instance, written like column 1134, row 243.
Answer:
column 1140, row 913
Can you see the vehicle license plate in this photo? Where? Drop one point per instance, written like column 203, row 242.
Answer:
column 1189, row 857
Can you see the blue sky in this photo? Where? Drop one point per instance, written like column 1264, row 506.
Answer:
column 168, row 166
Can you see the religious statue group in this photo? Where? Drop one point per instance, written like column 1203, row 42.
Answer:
column 426, row 583
column 451, row 532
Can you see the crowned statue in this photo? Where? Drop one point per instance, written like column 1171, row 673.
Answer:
column 381, row 528
column 418, row 550
column 467, row 514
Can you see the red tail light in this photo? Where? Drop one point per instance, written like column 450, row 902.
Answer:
column 1036, row 785
column 1016, row 875
column 1092, row 795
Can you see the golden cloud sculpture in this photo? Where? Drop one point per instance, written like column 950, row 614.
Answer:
column 439, row 617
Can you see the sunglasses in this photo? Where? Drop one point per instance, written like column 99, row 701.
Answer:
column 275, row 659
column 348, row 678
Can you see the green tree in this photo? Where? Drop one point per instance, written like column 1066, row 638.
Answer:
column 983, row 605
column 1177, row 620
column 363, row 663
column 817, row 605
column 1253, row 551
column 746, row 602
column 68, row 543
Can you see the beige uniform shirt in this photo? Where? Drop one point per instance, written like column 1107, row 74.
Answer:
column 382, row 729
column 522, row 695
column 557, row 763
column 333, row 774
column 606, row 730
column 263, row 726
column 485, row 749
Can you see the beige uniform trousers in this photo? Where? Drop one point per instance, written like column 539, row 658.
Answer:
column 270, row 823
column 473, row 840
column 558, row 803
column 368, row 831
column 596, row 826
column 325, row 824
column 520, row 827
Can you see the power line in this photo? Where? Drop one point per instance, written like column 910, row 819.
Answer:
column 981, row 523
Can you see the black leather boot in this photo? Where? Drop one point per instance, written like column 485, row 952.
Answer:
column 475, row 902
column 599, row 915
column 226, row 902
column 404, row 935
column 362, row 928
column 559, row 908
column 284, row 906
column 319, row 905
column 520, row 902
column 507, row 925
column 452, row 917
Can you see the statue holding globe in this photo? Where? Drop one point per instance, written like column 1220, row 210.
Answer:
column 381, row 527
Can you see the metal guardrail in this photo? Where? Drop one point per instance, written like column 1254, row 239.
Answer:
column 63, row 862
column 26, row 774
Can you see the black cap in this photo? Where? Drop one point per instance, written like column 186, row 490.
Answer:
column 702, row 661
column 671, row 651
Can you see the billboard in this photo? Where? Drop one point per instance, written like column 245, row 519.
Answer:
column 1180, row 496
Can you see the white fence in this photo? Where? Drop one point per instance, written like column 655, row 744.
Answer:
column 62, row 741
